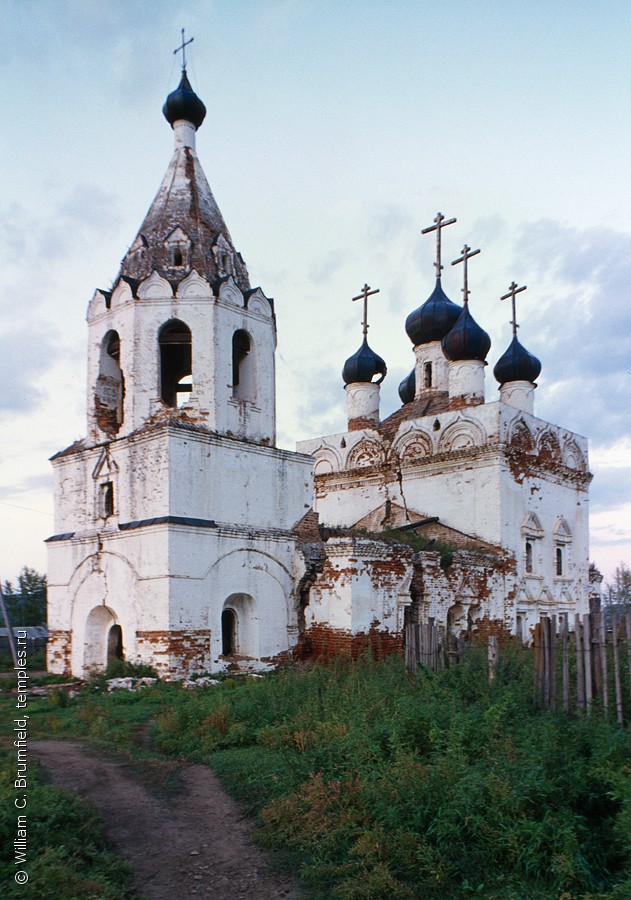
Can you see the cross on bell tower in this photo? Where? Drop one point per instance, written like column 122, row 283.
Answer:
column 439, row 223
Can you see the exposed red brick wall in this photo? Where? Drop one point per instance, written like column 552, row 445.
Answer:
column 308, row 528
column 485, row 627
column 59, row 651
column 361, row 422
column 462, row 402
column 322, row 642
column 175, row 652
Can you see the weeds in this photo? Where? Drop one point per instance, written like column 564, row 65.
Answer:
column 372, row 784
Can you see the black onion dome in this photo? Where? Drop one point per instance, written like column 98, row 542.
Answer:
column 517, row 364
column 407, row 388
column 183, row 103
column 432, row 320
column 361, row 367
column 466, row 340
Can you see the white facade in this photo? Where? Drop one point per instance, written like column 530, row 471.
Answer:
column 173, row 538
column 491, row 471
column 185, row 539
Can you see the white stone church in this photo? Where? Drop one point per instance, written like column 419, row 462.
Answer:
column 186, row 539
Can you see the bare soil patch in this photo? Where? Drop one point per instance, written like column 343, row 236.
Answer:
column 195, row 842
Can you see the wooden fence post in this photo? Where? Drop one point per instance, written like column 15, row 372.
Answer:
column 602, row 643
column 616, row 672
column 553, row 662
column 565, row 663
column 580, row 668
column 493, row 657
column 545, row 625
column 587, row 650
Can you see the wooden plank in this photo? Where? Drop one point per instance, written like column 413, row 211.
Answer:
column 596, row 666
column 580, row 663
column 565, row 663
column 493, row 651
column 587, row 652
column 602, row 646
column 616, row 672
column 545, row 622
column 536, row 644
column 553, row 662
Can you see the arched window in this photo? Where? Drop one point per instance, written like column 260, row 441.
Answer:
column 559, row 561
column 177, row 257
column 107, row 499
column 528, row 556
column 242, row 366
column 427, row 375
column 175, row 362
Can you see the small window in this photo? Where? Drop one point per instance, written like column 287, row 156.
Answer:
column 528, row 556
column 559, row 561
column 107, row 499
column 177, row 257
column 427, row 375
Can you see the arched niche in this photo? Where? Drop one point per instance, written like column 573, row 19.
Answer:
column 239, row 626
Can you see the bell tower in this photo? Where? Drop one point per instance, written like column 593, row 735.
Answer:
column 175, row 514
column 182, row 333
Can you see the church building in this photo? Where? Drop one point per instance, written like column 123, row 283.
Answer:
column 186, row 539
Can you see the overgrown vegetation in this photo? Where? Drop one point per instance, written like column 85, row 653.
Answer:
column 417, row 542
column 67, row 854
column 370, row 784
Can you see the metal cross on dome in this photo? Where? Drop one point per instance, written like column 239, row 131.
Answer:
column 366, row 292
column 183, row 47
column 513, row 289
column 439, row 223
column 467, row 253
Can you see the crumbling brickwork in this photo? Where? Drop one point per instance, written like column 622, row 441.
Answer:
column 175, row 653
column 59, row 652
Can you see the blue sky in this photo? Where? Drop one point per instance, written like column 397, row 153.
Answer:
column 335, row 131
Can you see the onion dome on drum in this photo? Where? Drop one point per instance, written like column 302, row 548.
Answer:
column 432, row 320
column 407, row 388
column 183, row 103
column 466, row 340
column 361, row 367
column 517, row 364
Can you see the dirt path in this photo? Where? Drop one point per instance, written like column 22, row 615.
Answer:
column 196, row 843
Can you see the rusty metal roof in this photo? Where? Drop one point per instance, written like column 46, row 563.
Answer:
column 184, row 230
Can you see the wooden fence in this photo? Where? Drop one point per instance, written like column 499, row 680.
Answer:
column 586, row 667
column 431, row 646
column 583, row 668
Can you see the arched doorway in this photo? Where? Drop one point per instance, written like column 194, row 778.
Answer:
column 228, row 632
column 240, row 626
column 102, row 635
column 115, row 644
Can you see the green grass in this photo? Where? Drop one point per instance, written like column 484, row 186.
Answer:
column 67, row 856
column 371, row 784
